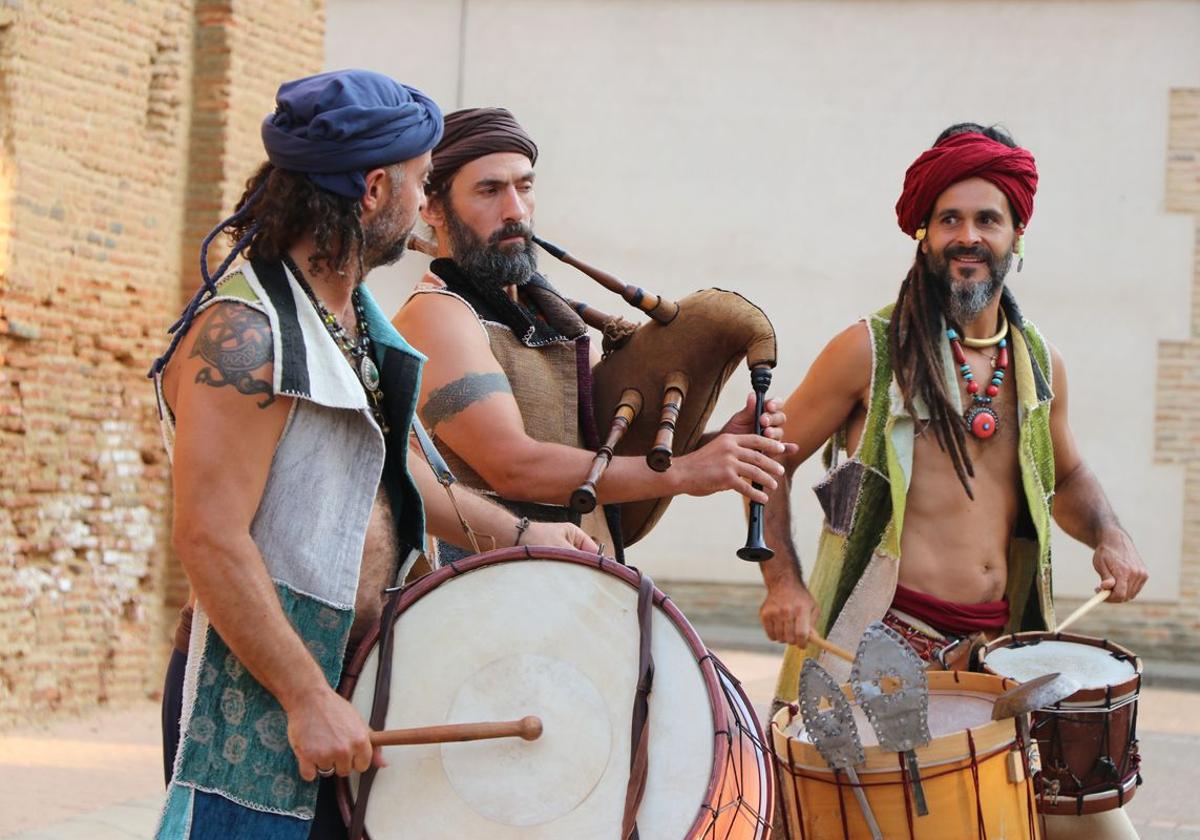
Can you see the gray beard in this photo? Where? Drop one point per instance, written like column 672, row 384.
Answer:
column 967, row 300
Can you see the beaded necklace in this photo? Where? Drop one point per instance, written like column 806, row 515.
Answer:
column 357, row 352
column 981, row 418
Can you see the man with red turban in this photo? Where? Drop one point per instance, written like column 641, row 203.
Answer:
column 944, row 417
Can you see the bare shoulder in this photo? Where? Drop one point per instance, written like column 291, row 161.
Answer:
column 228, row 345
column 436, row 322
column 219, row 384
column 847, row 358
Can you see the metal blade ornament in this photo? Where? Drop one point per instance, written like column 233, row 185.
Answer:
column 833, row 731
column 891, row 686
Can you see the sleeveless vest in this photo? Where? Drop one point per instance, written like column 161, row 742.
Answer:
column 854, row 576
column 310, row 528
column 545, row 385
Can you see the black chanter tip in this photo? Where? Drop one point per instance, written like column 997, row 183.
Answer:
column 755, row 550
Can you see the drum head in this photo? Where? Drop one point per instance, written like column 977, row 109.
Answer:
column 1089, row 664
column 537, row 637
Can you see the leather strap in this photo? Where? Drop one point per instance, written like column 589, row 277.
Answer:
column 379, row 708
column 639, row 753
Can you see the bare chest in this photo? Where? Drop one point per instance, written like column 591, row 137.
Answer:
column 380, row 562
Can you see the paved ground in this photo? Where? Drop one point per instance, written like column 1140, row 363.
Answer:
column 101, row 778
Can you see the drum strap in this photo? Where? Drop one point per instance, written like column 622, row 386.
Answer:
column 639, row 754
column 379, row 708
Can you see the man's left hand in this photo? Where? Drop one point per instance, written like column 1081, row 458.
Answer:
column 1120, row 566
column 560, row 535
column 773, row 419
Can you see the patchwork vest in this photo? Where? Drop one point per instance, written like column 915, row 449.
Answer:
column 310, row 527
column 864, row 497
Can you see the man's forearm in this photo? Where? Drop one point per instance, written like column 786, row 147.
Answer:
column 550, row 472
column 231, row 583
column 1082, row 509
column 784, row 567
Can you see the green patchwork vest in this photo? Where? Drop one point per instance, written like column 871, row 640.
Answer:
column 864, row 497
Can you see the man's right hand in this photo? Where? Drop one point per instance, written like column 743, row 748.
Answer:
column 731, row 462
column 789, row 613
column 327, row 733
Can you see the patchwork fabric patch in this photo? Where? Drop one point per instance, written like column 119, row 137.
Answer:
column 236, row 741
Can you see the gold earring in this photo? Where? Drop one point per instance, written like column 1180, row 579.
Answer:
column 1020, row 253
column 920, row 234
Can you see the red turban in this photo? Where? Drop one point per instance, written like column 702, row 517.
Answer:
column 957, row 158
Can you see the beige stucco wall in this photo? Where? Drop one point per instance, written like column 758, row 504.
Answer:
column 760, row 146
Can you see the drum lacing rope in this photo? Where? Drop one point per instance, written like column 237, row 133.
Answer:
column 640, row 727
column 905, row 791
column 1030, row 806
column 379, row 708
column 981, row 827
column 795, row 790
column 837, row 780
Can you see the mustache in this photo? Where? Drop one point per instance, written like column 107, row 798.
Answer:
column 979, row 252
column 509, row 230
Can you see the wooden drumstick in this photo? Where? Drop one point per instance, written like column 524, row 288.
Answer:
column 528, row 728
column 583, row 500
column 828, row 646
column 1102, row 595
column 674, row 391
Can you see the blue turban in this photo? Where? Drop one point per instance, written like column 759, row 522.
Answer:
column 335, row 126
column 332, row 127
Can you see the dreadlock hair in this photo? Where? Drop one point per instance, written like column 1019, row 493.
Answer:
column 915, row 340
column 290, row 206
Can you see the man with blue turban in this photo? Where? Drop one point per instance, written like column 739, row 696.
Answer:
column 287, row 400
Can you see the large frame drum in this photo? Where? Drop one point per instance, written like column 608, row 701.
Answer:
column 1088, row 742
column 964, row 772
column 554, row 633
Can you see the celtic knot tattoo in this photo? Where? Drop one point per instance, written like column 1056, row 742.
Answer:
column 235, row 341
column 450, row 400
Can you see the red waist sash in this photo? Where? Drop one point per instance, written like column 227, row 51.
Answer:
column 949, row 617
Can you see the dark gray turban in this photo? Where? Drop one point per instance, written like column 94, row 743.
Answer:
column 472, row 133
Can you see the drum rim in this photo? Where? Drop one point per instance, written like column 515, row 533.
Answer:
column 1071, row 804
column 632, row 577
column 805, row 757
column 1102, row 696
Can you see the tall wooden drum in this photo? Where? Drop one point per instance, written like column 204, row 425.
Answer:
column 965, row 771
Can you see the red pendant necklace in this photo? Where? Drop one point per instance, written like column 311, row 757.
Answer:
column 981, row 418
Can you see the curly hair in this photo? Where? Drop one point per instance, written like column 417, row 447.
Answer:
column 290, row 206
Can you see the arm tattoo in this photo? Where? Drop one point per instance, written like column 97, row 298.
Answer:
column 454, row 397
column 235, row 341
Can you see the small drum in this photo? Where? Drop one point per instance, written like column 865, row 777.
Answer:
column 554, row 633
column 965, row 773
column 1088, row 742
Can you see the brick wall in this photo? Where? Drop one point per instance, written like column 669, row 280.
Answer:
column 1160, row 631
column 107, row 113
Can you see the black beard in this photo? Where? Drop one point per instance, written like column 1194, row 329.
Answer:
column 488, row 265
column 965, row 300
